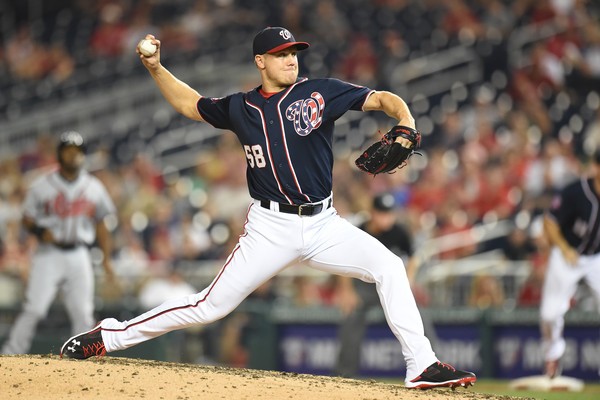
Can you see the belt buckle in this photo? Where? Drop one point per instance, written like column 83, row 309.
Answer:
column 300, row 209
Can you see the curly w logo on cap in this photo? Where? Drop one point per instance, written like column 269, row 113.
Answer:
column 273, row 39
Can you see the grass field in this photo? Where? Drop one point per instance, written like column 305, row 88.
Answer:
column 501, row 387
column 590, row 392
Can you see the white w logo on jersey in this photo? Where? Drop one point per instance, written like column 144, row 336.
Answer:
column 306, row 114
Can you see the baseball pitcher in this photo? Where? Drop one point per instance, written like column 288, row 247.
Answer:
column 285, row 128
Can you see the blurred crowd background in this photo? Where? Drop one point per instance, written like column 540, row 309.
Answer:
column 506, row 94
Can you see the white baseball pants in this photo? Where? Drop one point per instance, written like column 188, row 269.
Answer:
column 271, row 242
column 559, row 287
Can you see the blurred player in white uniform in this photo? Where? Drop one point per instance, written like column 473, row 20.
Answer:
column 573, row 228
column 65, row 210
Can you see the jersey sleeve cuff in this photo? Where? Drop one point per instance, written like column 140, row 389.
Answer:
column 362, row 107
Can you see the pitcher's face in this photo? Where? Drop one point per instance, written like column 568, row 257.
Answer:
column 279, row 70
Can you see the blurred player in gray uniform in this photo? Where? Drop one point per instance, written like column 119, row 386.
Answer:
column 65, row 210
column 573, row 228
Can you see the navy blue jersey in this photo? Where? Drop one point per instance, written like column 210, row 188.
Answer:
column 288, row 136
column 577, row 212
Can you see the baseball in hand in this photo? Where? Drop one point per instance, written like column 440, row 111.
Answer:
column 147, row 48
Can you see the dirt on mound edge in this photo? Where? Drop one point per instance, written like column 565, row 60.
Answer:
column 48, row 377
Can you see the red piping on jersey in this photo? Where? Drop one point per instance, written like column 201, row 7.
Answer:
column 236, row 248
column 287, row 153
column 264, row 125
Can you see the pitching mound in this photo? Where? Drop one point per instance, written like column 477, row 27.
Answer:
column 48, row 377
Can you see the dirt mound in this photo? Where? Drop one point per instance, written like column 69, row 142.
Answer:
column 48, row 377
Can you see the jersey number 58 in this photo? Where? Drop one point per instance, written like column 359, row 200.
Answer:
column 255, row 156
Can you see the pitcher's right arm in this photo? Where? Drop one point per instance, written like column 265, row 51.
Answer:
column 178, row 93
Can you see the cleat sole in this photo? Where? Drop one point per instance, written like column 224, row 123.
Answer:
column 465, row 382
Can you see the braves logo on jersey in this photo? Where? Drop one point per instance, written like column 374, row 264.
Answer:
column 64, row 208
column 306, row 114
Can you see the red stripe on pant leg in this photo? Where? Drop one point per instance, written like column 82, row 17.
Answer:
column 199, row 301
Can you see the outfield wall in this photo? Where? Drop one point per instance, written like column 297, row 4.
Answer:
column 483, row 343
column 495, row 344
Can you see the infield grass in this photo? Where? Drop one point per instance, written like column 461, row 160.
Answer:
column 591, row 391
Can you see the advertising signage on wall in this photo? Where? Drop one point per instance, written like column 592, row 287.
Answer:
column 516, row 350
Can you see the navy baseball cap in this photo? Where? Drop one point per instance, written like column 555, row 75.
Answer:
column 384, row 202
column 273, row 39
